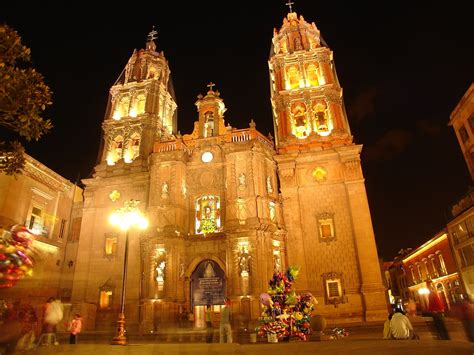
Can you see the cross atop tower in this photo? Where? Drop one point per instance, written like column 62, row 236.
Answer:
column 152, row 34
column 289, row 3
column 210, row 85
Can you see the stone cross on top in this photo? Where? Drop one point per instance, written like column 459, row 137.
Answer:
column 289, row 3
column 152, row 34
column 210, row 85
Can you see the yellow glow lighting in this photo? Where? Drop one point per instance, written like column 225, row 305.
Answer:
column 129, row 216
column 429, row 244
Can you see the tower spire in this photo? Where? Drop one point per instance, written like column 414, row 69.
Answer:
column 289, row 3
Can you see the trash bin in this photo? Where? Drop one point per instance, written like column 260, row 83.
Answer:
column 253, row 337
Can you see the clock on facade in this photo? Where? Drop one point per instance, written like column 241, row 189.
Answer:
column 206, row 157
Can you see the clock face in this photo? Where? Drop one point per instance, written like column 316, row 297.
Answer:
column 206, row 157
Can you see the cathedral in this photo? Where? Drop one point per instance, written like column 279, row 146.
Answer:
column 227, row 207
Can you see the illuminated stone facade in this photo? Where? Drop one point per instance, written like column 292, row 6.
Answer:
column 227, row 206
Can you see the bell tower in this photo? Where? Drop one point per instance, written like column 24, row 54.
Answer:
column 141, row 109
column 211, row 110
column 325, row 206
column 305, row 93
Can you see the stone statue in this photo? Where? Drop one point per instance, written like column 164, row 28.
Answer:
column 269, row 185
column 164, row 190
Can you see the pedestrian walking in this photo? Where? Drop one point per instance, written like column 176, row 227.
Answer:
column 209, row 328
column 467, row 318
column 225, row 329
column 436, row 307
column 75, row 328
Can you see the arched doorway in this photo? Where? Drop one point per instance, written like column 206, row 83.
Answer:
column 208, row 286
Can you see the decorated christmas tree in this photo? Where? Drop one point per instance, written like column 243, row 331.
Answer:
column 285, row 313
column 16, row 256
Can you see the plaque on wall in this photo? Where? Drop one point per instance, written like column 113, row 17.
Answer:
column 208, row 284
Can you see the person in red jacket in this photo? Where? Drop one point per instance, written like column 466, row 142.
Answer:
column 75, row 328
column 436, row 307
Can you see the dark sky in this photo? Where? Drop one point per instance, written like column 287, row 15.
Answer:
column 403, row 67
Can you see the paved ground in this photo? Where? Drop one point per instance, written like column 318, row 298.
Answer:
column 358, row 347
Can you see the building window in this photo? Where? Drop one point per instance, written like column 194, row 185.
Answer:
column 133, row 148
column 62, row 228
column 36, row 222
column 471, row 123
column 75, row 229
column 333, row 285
column 326, row 227
column 110, row 246
column 418, row 269
column 208, row 214
column 293, row 77
column 413, row 274
column 300, row 127
column 312, row 75
column 427, row 270
column 466, row 254
column 115, row 151
column 442, row 265
column 433, row 265
column 463, row 134
column 105, row 300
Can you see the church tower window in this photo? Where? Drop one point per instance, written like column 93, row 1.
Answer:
column 322, row 123
column 300, row 127
column 116, row 150
column 293, row 77
column 140, row 104
column 312, row 77
column 208, row 124
column 133, row 148
column 123, row 107
column 208, row 219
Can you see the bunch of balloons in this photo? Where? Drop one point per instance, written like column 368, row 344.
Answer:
column 16, row 255
column 284, row 312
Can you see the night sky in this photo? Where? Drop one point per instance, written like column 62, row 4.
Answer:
column 403, row 67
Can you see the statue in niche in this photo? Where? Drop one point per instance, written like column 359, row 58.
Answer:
column 244, row 262
column 160, row 271
column 276, row 262
column 241, row 212
column 164, row 190
column 321, row 121
column 242, row 181
column 269, row 185
column 209, row 270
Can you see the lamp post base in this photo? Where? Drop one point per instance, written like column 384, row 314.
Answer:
column 120, row 338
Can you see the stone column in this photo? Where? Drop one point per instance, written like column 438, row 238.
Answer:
column 372, row 289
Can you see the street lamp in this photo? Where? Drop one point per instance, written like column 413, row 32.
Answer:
column 126, row 217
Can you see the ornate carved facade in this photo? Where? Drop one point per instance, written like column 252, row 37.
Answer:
column 228, row 207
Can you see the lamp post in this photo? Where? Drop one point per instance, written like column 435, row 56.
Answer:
column 126, row 217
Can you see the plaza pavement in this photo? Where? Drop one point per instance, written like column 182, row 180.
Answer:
column 358, row 347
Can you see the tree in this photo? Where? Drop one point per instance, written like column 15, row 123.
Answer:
column 23, row 99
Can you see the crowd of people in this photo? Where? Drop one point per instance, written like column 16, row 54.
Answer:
column 399, row 326
column 22, row 327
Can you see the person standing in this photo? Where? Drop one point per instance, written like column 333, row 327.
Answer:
column 436, row 307
column 225, row 329
column 75, row 328
column 400, row 326
column 209, row 329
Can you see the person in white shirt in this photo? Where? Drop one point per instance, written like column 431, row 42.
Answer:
column 400, row 326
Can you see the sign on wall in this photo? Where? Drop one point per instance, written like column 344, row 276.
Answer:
column 208, row 284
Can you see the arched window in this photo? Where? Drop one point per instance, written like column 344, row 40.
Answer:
column 115, row 151
column 322, row 122
column 140, row 104
column 133, row 148
column 312, row 75
column 208, row 124
column 208, row 214
column 300, row 125
column 124, row 106
column 293, row 77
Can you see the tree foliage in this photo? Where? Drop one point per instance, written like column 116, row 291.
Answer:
column 23, row 99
